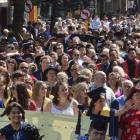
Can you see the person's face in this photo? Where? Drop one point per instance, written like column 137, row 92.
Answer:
column 112, row 79
column 15, row 115
column 83, row 92
column 51, row 76
column 11, row 64
column 45, row 63
column 136, row 97
column 76, row 55
column 82, row 51
column 96, row 135
column 100, row 79
column 59, row 49
column 43, row 90
column 63, row 91
column 126, row 89
column 113, row 56
column 24, row 67
column 65, row 59
column 132, row 55
column 54, row 57
column 99, row 104
column 104, row 59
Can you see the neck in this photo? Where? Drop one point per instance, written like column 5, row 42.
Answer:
column 16, row 126
column 95, row 111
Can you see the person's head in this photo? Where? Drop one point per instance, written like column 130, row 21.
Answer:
column 45, row 62
column 75, row 54
column 3, row 64
column 23, row 66
column 100, row 78
column 32, row 68
column 126, row 87
column 131, row 53
column 75, row 69
column 82, row 50
column 104, row 57
column 64, row 59
column 59, row 49
column 51, row 74
column 62, row 77
column 88, row 73
column 18, row 76
column 15, row 112
column 97, row 129
column 80, row 93
column 113, row 54
column 54, row 57
column 134, row 95
column 119, row 70
column 39, row 90
column 20, row 93
column 11, row 65
column 98, row 101
column 114, row 80
column 61, row 93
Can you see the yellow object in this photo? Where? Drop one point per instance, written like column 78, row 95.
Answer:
column 33, row 14
column 86, row 25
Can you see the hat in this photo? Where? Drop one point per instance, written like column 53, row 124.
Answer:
column 18, row 58
column 99, row 122
column 96, row 93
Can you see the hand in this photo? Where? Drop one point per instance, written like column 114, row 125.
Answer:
column 2, row 137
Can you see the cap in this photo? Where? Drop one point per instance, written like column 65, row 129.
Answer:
column 96, row 93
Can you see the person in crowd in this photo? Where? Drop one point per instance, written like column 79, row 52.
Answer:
column 39, row 95
column 62, row 103
column 79, row 92
column 20, row 94
column 120, row 101
column 50, row 75
column 131, row 65
column 17, row 128
column 11, row 66
column 45, row 62
column 100, row 81
column 62, row 77
column 114, row 81
column 129, row 122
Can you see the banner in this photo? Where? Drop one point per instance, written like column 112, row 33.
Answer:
column 53, row 126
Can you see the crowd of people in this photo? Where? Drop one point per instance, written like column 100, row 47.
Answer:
column 97, row 66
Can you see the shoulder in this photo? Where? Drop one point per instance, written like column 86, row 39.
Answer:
column 6, row 129
column 32, row 105
column 48, row 106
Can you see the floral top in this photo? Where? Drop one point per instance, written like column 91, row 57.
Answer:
column 130, row 125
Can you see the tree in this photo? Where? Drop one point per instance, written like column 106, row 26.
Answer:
column 18, row 17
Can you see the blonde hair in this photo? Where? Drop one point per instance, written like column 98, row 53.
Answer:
column 119, row 70
column 36, row 89
column 86, row 72
column 63, row 76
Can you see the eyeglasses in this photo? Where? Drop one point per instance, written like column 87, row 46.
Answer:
column 11, row 62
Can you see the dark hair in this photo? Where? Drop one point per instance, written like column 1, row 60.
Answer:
column 132, row 92
column 9, row 108
column 22, row 94
column 55, row 90
column 131, row 49
column 13, row 61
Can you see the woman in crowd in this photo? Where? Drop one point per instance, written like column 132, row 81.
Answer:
column 62, row 77
column 17, row 129
column 62, row 102
column 20, row 94
column 80, row 93
column 39, row 95
column 11, row 65
column 130, row 121
column 114, row 81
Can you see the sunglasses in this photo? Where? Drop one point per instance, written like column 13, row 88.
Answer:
column 24, row 67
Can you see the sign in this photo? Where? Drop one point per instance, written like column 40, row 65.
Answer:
column 53, row 126
column 85, row 14
column 3, row 3
column 28, row 6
